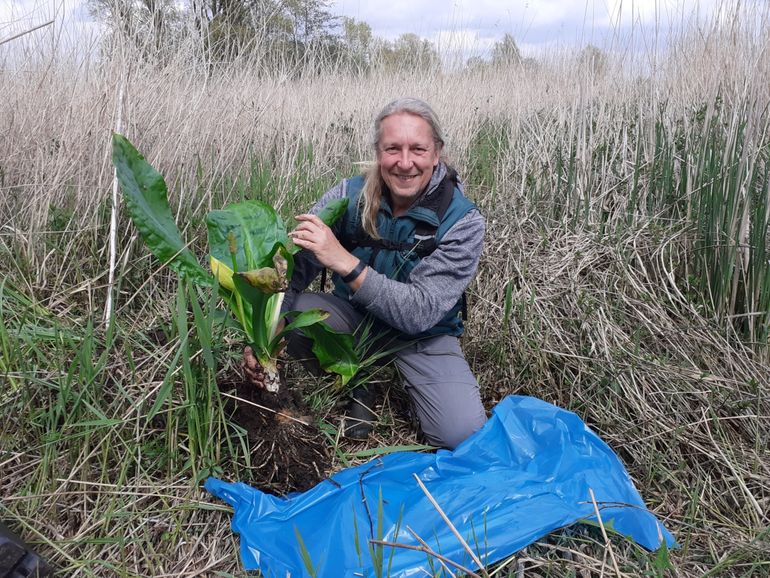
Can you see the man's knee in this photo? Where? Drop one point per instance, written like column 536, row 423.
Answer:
column 451, row 432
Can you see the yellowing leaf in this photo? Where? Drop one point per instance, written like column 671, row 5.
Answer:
column 266, row 279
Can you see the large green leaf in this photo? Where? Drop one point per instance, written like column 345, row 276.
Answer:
column 302, row 319
column 257, row 230
column 299, row 319
column 146, row 198
column 335, row 350
column 333, row 211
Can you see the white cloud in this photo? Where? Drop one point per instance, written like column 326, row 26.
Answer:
column 468, row 39
column 19, row 15
column 71, row 23
column 473, row 24
column 531, row 22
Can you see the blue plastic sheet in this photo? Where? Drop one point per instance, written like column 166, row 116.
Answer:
column 526, row 473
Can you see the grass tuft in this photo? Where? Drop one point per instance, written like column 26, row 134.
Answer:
column 625, row 277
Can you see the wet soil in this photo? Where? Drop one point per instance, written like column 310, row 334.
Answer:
column 288, row 451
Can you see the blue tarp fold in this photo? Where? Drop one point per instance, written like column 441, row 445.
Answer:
column 526, row 473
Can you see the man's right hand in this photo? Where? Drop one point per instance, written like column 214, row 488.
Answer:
column 253, row 371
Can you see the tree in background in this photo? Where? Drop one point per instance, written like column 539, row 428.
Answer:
column 294, row 36
column 476, row 63
column 357, row 39
column 146, row 24
column 505, row 53
column 280, row 31
column 408, row 51
column 313, row 32
column 593, row 60
column 229, row 28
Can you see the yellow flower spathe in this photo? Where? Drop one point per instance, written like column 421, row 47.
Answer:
column 222, row 272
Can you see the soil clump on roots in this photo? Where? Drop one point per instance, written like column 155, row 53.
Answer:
column 288, row 451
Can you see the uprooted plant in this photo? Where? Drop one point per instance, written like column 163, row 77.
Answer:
column 252, row 260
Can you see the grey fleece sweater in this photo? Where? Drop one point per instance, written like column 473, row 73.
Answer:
column 434, row 285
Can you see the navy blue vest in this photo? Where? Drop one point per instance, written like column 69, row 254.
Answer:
column 405, row 240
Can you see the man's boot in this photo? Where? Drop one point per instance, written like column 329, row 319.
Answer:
column 17, row 560
column 360, row 418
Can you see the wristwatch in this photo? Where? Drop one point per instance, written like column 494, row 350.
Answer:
column 357, row 270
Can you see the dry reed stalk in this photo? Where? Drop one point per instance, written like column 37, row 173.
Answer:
column 607, row 543
column 450, row 525
column 114, row 214
column 602, row 324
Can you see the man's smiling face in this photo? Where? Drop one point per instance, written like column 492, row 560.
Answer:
column 406, row 155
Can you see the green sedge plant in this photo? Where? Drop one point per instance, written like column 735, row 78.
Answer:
column 251, row 261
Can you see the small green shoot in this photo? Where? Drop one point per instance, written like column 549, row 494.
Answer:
column 306, row 560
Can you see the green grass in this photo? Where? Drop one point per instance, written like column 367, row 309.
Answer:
column 625, row 277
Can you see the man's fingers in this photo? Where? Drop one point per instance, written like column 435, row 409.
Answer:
column 249, row 360
column 253, row 371
column 309, row 222
column 255, row 378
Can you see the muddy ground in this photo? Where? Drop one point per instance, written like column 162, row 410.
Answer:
column 288, row 451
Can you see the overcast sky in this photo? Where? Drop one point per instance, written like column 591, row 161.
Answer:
column 470, row 26
column 478, row 23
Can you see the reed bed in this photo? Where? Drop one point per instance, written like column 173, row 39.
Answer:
column 625, row 277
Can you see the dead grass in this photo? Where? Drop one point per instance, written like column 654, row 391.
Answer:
column 603, row 319
column 597, row 329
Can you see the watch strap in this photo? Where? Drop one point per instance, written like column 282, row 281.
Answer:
column 357, row 270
